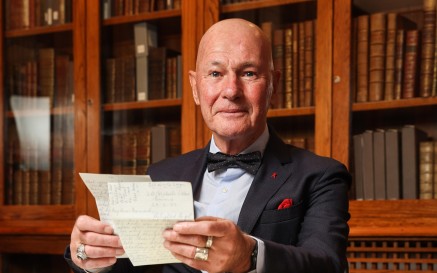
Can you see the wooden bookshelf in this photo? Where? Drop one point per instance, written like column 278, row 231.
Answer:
column 329, row 122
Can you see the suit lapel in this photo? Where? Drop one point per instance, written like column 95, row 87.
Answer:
column 271, row 176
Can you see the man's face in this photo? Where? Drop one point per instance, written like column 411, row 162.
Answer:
column 231, row 85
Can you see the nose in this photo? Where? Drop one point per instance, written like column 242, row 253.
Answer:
column 232, row 87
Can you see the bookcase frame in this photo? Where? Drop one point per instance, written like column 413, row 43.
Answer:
column 46, row 229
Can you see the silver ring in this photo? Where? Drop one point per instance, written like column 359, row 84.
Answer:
column 201, row 254
column 209, row 242
column 80, row 252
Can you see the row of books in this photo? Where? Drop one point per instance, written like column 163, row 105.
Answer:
column 160, row 80
column 394, row 57
column 389, row 165
column 21, row 14
column 113, row 8
column 158, row 70
column 133, row 149
column 39, row 164
column 45, row 74
column 293, row 55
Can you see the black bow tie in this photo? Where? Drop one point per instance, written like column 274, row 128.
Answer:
column 249, row 162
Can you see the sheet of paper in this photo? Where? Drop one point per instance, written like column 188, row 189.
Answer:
column 98, row 186
column 142, row 211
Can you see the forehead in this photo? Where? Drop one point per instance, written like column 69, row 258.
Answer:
column 233, row 46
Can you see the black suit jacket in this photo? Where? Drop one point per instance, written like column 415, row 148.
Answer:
column 310, row 236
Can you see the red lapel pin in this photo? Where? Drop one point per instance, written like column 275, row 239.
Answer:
column 274, row 175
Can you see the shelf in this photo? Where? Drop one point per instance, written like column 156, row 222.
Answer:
column 300, row 111
column 394, row 104
column 393, row 218
column 135, row 105
column 164, row 14
column 38, row 30
column 251, row 5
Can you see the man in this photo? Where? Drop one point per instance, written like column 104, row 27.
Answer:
column 288, row 215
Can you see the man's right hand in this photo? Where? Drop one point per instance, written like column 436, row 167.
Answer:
column 101, row 245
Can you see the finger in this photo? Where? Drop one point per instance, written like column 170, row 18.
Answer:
column 175, row 237
column 96, row 239
column 180, row 250
column 102, row 252
column 87, row 223
column 216, row 228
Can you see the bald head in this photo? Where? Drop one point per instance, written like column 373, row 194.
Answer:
column 235, row 31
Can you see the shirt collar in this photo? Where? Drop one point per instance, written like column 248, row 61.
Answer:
column 259, row 145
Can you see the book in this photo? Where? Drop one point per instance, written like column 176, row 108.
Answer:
column 278, row 63
column 309, row 62
column 410, row 64
column 399, row 63
column 358, row 166
column 46, row 69
column 295, row 60
column 390, row 56
column 368, row 166
column 301, row 63
column 145, row 37
column 288, row 68
column 159, row 142
column 377, row 56
column 426, row 170
column 157, row 72
column 362, row 58
column 428, row 48
column 379, row 161
column 411, row 137
column 435, row 170
column 393, row 164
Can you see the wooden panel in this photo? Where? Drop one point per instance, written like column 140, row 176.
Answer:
column 34, row 244
column 2, row 113
column 341, row 88
column 323, row 91
column 80, row 117
column 93, row 87
column 393, row 218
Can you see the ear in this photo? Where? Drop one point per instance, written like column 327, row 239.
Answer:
column 192, row 75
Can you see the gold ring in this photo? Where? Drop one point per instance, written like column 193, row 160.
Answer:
column 201, row 254
column 209, row 242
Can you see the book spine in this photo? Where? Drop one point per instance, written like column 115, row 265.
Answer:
column 295, row 65
column 410, row 63
column 288, row 69
column 426, row 170
column 362, row 58
column 379, row 164
column 393, row 164
column 301, row 63
column 309, row 62
column 377, row 56
column 428, row 48
column 399, row 63
column 358, row 166
column 368, row 166
column 390, row 56
column 278, row 63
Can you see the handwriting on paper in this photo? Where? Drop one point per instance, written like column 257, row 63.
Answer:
column 142, row 211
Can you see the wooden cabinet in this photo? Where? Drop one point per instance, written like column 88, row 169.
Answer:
column 100, row 44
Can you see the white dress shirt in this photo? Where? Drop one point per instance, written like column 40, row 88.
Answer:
column 223, row 192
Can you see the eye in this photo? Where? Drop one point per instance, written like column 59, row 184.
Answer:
column 248, row 74
column 214, row 74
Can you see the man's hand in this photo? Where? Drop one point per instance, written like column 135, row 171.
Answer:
column 101, row 245
column 230, row 251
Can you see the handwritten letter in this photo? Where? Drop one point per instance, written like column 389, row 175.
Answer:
column 140, row 210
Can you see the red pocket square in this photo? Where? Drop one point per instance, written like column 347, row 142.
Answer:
column 286, row 203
